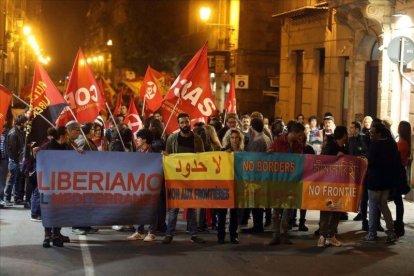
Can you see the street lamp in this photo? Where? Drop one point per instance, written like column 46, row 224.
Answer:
column 205, row 13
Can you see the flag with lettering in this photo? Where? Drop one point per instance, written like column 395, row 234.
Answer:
column 83, row 94
column 45, row 100
column 132, row 118
column 150, row 91
column 190, row 93
column 5, row 98
column 230, row 105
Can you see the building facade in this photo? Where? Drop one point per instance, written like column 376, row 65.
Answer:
column 335, row 57
column 16, row 56
column 243, row 46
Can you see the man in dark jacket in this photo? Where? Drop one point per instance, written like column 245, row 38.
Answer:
column 15, row 151
column 184, row 141
column 358, row 147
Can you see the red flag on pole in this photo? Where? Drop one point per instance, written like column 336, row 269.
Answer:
column 132, row 118
column 83, row 94
column 190, row 93
column 5, row 98
column 45, row 99
column 118, row 103
column 230, row 105
column 150, row 91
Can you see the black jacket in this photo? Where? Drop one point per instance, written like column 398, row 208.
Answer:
column 357, row 146
column 15, row 144
column 382, row 164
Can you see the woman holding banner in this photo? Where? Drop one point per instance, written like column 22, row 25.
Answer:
column 382, row 157
column 143, row 143
column 59, row 142
column 233, row 141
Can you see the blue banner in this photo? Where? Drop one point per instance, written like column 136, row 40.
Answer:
column 98, row 188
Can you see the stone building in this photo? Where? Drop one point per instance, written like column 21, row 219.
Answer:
column 242, row 45
column 16, row 57
column 335, row 57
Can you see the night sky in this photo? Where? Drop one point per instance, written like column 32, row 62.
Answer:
column 63, row 31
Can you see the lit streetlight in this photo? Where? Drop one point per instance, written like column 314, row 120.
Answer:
column 205, row 13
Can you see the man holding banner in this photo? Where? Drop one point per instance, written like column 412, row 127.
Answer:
column 185, row 141
column 287, row 143
column 329, row 220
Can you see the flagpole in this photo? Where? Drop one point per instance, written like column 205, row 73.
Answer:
column 36, row 113
column 116, row 125
column 225, row 115
column 83, row 133
column 169, row 119
column 143, row 108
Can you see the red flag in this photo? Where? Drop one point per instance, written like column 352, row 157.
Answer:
column 45, row 99
column 151, row 91
column 83, row 94
column 230, row 105
column 118, row 103
column 190, row 92
column 5, row 98
column 132, row 118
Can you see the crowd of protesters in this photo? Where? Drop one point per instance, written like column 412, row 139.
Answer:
column 387, row 155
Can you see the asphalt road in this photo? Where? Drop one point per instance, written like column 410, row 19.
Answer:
column 109, row 253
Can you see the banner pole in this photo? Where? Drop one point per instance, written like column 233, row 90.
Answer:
column 116, row 125
column 143, row 108
column 169, row 119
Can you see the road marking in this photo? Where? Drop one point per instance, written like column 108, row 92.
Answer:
column 86, row 256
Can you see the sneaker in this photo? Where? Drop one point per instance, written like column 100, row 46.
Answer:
column 303, row 228
column 380, row 228
column 27, row 205
column 36, row 218
column 117, row 227
column 369, row 238
column 167, row 240
column 18, row 201
column 333, row 241
column 136, row 236
column 8, row 203
column 197, row 239
column 391, row 238
column 234, row 241
column 274, row 241
column 358, row 217
column 77, row 231
column 321, row 241
column 149, row 237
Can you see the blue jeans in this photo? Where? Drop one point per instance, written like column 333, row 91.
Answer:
column 16, row 182
column 4, row 170
column 35, row 203
column 378, row 201
column 191, row 221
